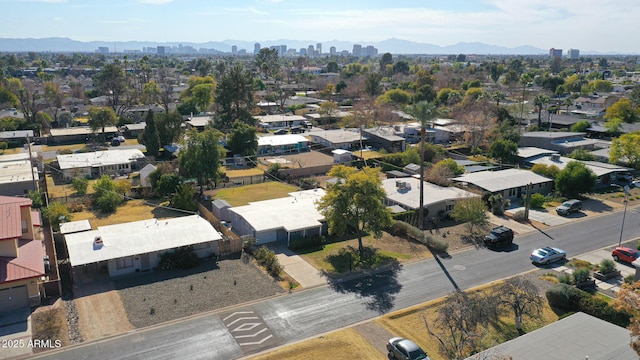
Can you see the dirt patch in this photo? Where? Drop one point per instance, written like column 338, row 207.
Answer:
column 49, row 323
column 167, row 295
column 101, row 315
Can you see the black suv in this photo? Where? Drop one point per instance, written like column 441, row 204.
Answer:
column 499, row 236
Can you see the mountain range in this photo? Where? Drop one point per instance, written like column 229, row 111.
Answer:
column 392, row 45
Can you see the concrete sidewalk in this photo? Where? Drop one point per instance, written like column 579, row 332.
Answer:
column 517, row 227
column 300, row 270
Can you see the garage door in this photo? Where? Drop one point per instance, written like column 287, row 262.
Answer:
column 13, row 299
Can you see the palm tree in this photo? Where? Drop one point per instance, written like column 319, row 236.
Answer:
column 424, row 112
column 540, row 101
column 525, row 79
column 498, row 96
column 567, row 102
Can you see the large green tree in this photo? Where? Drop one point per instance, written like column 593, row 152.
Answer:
column 504, row 151
column 200, row 158
column 111, row 81
column 472, row 211
column 101, row 117
column 626, row 148
column 150, row 138
column 234, row 97
column 243, row 139
column 355, row 202
column 169, row 127
column 622, row 109
column 575, row 179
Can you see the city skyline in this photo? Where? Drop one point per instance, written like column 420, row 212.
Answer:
column 538, row 23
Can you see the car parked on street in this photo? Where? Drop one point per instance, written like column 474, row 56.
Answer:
column 403, row 349
column 569, row 206
column 625, row 254
column 547, row 255
column 499, row 237
column 280, row 132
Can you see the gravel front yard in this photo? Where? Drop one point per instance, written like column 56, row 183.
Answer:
column 167, row 295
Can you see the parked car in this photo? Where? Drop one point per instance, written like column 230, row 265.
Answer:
column 403, row 349
column 569, row 207
column 499, row 236
column 547, row 255
column 280, row 132
column 635, row 183
column 624, row 176
column 296, row 130
column 625, row 254
column 115, row 142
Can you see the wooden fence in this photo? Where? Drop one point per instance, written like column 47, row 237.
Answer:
column 230, row 243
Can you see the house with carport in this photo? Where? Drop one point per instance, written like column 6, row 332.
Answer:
column 282, row 144
column 438, row 200
column 137, row 246
column 345, row 139
column 98, row 163
column 510, row 183
column 282, row 219
column 21, row 255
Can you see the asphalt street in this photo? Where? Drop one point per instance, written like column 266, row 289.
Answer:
column 304, row 314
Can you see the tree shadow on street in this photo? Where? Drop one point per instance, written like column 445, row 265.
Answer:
column 373, row 278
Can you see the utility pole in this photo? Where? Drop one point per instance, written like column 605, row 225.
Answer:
column 624, row 215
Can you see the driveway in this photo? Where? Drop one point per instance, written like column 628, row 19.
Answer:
column 542, row 217
column 300, row 270
column 15, row 329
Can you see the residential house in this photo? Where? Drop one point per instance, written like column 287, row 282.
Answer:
column 198, row 122
column 78, row 135
column 326, row 119
column 21, row 255
column 385, row 138
column 282, row 144
column 606, row 173
column 577, row 336
column 131, row 131
column 438, row 200
column 137, row 246
column 145, row 180
column 16, row 138
column 18, row 174
column 562, row 142
column 280, row 121
column 589, row 105
column 345, row 139
column 282, row 220
column 98, row 163
column 510, row 183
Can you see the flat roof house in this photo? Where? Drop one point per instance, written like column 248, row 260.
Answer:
column 21, row 255
column 405, row 192
column 606, row 173
column 98, row 163
column 385, row 138
column 283, row 219
column 511, row 183
column 562, row 142
column 339, row 139
column 282, row 144
column 77, row 135
column 137, row 246
column 18, row 174
column 280, row 121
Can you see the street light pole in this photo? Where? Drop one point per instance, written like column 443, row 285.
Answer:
column 624, row 215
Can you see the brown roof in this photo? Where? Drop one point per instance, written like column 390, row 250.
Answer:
column 27, row 265
column 10, row 218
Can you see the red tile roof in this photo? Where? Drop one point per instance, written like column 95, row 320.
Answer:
column 27, row 265
column 10, row 217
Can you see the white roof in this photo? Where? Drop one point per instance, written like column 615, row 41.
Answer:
column 598, row 168
column 75, row 226
column 17, row 157
column 530, row 151
column 16, row 134
column 17, row 171
column 339, row 136
column 139, row 237
column 138, row 126
column 199, row 121
column 99, row 158
column 433, row 194
column 80, row 130
column 296, row 212
column 279, row 118
column 278, row 140
column 340, row 151
column 493, row 181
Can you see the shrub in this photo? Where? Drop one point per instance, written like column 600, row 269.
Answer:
column 437, row 245
column 629, row 279
column 183, row 258
column 565, row 279
column 578, row 263
column 581, row 275
column 564, row 296
column 65, row 151
column 3, row 145
column 399, row 228
column 567, row 297
column 108, row 202
column 311, row 242
column 80, row 185
column 607, row 266
column 248, row 244
column 268, row 259
column 537, row 201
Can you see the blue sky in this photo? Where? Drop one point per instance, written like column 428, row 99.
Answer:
column 599, row 25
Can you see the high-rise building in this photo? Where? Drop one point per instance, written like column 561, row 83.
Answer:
column 555, row 52
column 310, row 50
column 256, row 48
column 303, row 51
column 573, row 54
column 357, row 50
column 103, row 50
column 319, row 48
column 332, row 50
column 370, row 51
column 282, row 50
column 234, row 49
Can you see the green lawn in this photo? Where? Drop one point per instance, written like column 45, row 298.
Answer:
column 238, row 196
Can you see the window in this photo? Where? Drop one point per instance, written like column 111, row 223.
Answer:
column 24, row 226
column 123, row 263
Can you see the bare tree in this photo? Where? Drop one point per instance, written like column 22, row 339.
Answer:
column 457, row 323
column 628, row 299
column 521, row 296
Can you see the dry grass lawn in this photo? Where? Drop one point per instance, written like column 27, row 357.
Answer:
column 238, row 196
column 50, row 323
column 233, row 173
column 132, row 210
column 344, row 344
column 410, row 323
column 64, row 190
